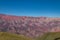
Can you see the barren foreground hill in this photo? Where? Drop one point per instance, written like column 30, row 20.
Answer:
column 28, row 26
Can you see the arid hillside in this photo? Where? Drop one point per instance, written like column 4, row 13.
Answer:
column 28, row 26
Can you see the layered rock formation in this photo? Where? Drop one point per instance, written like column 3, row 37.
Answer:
column 28, row 26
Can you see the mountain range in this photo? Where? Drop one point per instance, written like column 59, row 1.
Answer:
column 28, row 26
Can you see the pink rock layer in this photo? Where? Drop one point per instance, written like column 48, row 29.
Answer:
column 28, row 26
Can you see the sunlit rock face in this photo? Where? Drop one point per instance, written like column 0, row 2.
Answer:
column 55, row 29
column 28, row 26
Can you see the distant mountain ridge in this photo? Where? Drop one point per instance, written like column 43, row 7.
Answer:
column 28, row 26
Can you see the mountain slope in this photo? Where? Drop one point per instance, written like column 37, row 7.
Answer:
column 50, row 36
column 9, row 36
column 28, row 26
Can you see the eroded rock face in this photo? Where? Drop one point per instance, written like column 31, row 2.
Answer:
column 55, row 29
column 28, row 26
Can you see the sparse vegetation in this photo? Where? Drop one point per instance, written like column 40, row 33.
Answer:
column 50, row 36
column 9, row 36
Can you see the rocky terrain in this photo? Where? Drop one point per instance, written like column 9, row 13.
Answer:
column 28, row 26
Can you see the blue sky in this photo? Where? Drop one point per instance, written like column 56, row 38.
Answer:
column 46, row 8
